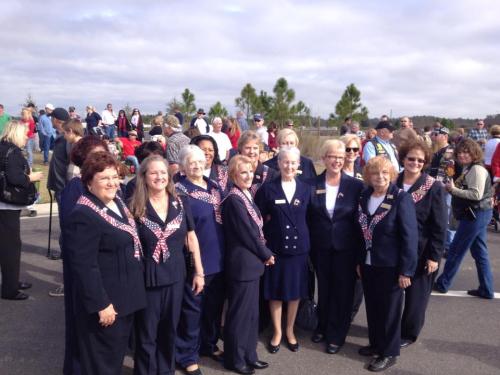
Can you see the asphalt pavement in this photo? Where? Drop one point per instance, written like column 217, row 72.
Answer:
column 461, row 335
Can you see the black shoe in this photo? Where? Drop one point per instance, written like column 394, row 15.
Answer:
column 292, row 347
column 20, row 296
column 367, row 351
column 193, row 372
column 24, row 285
column 317, row 337
column 477, row 293
column 405, row 343
column 438, row 289
column 259, row 365
column 273, row 349
column 217, row 357
column 381, row 363
column 332, row 348
column 245, row 370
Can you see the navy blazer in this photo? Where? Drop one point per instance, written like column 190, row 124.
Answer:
column 432, row 218
column 245, row 254
column 261, row 175
column 395, row 237
column 285, row 224
column 340, row 232
column 102, row 260
column 306, row 173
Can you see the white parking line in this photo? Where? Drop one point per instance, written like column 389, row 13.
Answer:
column 459, row 293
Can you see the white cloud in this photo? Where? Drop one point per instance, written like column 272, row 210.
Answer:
column 411, row 57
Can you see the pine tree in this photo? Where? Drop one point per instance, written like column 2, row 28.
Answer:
column 217, row 110
column 247, row 100
column 350, row 105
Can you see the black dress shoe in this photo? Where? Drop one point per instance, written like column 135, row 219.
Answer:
column 381, row 363
column 20, row 296
column 405, row 343
column 332, row 348
column 477, row 293
column 259, row 365
column 245, row 370
column 292, row 347
column 438, row 289
column 273, row 349
column 24, row 285
column 367, row 351
column 317, row 337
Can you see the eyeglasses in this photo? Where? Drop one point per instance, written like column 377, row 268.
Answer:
column 421, row 161
column 351, row 149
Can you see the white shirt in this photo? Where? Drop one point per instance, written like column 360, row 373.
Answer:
column 374, row 202
column 489, row 149
column 223, row 143
column 201, row 124
column 108, row 117
column 263, row 134
column 331, row 198
column 406, row 187
column 289, row 189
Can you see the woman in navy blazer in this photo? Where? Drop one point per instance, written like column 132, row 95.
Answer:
column 245, row 258
column 250, row 145
column 288, row 138
column 430, row 204
column 335, row 241
column 201, row 314
column 165, row 225
column 283, row 203
column 104, row 253
column 387, row 261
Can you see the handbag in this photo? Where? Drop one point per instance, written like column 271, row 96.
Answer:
column 307, row 315
column 16, row 195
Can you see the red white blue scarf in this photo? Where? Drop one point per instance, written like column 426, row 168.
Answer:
column 213, row 198
column 256, row 186
column 130, row 228
column 420, row 193
column 162, row 235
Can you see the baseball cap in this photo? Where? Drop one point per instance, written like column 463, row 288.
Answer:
column 50, row 106
column 257, row 117
column 385, row 125
column 60, row 114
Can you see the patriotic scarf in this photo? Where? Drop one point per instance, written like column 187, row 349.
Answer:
column 212, row 198
column 368, row 226
column 255, row 186
column 163, row 235
column 420, row 193
column 222, row 177
column 130, row 228
column 251, row 210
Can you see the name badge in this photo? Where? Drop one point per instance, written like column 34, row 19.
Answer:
column 257, row 177
column 386, row 206
column 280, row 201
column 390, row 196
column 321, row 191
column 299, row 171
column 173, row 226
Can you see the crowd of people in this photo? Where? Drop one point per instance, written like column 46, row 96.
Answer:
column 219, row 227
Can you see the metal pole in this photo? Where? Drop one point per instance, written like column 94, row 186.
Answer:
column 49, row 255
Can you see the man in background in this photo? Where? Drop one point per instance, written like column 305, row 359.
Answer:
column 199, row 121
column 176, row 140
column 258, row 121
column 4, row 118
column 46, row 132
column 108, row 119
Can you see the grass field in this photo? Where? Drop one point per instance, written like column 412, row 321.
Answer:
column 38, row 163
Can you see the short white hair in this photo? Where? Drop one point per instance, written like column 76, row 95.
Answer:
column 188, row 151
column 216, row 119
column 288, row 150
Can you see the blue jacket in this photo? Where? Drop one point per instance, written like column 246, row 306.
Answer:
column 340, row 232
column 285, row 225
column 395, row 237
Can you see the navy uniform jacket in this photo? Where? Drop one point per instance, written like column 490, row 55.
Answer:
column 173, row 269
column 395, row 237
column 306, row 173
column 432, row 217
column 285, row 225
column 261, row 175
column 103, row 263
column 245, row 254
column 209, row 232
column 340, row 232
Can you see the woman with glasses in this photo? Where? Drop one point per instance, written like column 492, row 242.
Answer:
column 352, row 162
column 335, row 240
column 428, row 195
column 471, row 203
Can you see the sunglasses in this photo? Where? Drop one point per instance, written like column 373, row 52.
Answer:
column 421, row 161
column 351, row 149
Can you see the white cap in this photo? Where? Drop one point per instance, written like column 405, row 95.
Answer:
column 50, row 106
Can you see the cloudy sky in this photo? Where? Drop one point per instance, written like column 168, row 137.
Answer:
column 410, row 57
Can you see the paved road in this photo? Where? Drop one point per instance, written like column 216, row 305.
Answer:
column 462, row 335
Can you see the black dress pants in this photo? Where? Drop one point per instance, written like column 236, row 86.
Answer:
column 102, row 349
column 10, row 251
column 242, row 323
column 384, row 302
column 416, row 301
column 336, row 280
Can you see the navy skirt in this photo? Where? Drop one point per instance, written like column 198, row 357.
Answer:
column 287, row 280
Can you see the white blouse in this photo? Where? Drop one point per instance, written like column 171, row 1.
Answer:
column 289, row 189
column 331, row 198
